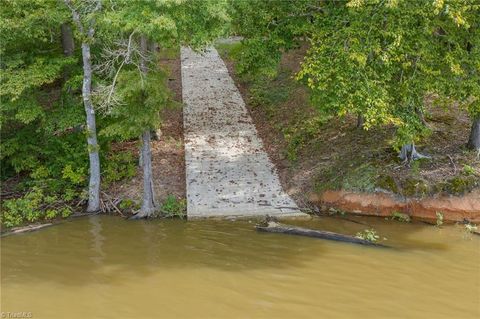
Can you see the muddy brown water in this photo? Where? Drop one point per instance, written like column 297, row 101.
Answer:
column 106, row 267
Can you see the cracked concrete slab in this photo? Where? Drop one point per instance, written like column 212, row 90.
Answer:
column 228, row 172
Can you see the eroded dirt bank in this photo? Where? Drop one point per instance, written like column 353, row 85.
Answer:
column 453, row 208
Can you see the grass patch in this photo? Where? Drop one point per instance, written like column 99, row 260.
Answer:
column 168, row 53
column 173, row 207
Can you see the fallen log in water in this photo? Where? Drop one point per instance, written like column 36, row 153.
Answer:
column 29, row 228
column 274, row 227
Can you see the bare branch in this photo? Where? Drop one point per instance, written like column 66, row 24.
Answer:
column 122, row 52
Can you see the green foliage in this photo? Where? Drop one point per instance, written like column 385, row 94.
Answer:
column 269, row 93
column 299, row 135
column 439, row 221
column 368, row 234
column 33, row 206
column 469, row 170
column 362, row 178
column 269, row 28
column 169, row 22
column 173, row 207
column 380, row 59
column 401, row 217
column 263, row 93
column 471, row 228
column 415, row 167
column 118, row 166
column 388, row 183
column 142, row 98
column 126, row 204
column 461, row 184
column 40, row 130
column 358, row 177
column 75, row 176
column 231, row 51
column 415, row 187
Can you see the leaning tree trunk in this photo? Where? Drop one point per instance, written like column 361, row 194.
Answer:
column 148, row 203
column 93, row 148
column 474, row 139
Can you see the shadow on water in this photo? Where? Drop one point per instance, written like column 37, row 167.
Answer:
column 78, row 252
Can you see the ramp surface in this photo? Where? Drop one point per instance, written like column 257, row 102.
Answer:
column 227, row 170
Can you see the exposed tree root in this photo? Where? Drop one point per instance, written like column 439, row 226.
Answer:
column 409, row 153
column 142, row 215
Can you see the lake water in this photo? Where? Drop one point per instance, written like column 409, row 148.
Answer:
column 106, row 267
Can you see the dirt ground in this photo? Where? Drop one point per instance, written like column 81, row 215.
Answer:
column 168, row 163
column 335, row 155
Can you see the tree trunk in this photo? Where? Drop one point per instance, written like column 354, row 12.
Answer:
column 68, row 44
column 153, row 47
column 94, row 183
column 474, row 139
column 360, row 121
column 409, row 153
column 148, row 203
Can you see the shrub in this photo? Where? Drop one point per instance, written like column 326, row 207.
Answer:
column 439, row 221
column 118, row 166
column 368, row 234
column 173, row 207
column 401, row 217
column 33, row 206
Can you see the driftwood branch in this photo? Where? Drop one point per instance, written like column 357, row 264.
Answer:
column 274, row 227
column 29, row 228
column 109, row 204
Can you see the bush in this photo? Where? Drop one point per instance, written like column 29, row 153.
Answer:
column 401, row 217
column 33, row 206
column 368, row 234
column 118, row 166
column 173, row 207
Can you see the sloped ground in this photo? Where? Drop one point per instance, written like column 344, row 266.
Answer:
column 315, row 153
column 168, row 156
column 228, row 172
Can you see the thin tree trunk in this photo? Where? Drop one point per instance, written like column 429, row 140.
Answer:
column 148, row 203
column 93, row 148
column 68, row 44
column 360, row 121
column 474, row 139
column 153, row 47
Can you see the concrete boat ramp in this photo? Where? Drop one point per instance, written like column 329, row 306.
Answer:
column 228, row 173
